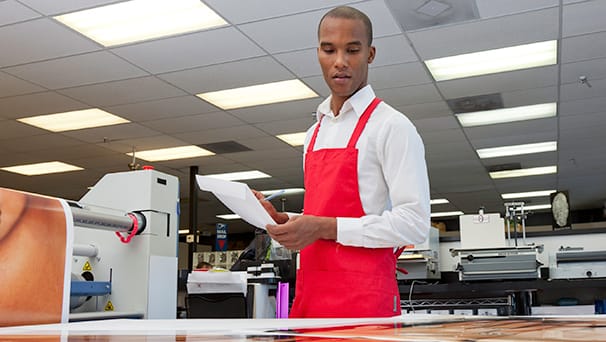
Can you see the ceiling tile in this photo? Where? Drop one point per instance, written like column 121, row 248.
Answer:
column 497, row 8
column 276, row 127
column 299, row 109
column 583, row 47
column 422, row 111
column 37, row 104
column 594, row 69
column 190, row 50
column 584, row 17
column 238, row 12
column 115, row 134
column 192, row 123
column 162, row 108
column 487, row 34
column 60, row 7
column 222, row 134
column 302, row 63
column 501, row 82
column 576, row 90
column 38, row 40
column 10, row 86
column 403, row 96
column 229, row 75
column 122, row 92
column 13, row 12
column 96, row 67
column 398, row 75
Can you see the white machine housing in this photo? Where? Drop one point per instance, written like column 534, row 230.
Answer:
column 577, row 263
column 422, row 260
column 485, row 254
column 143, row 273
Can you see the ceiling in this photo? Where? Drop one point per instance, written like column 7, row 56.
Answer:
column 46, row 68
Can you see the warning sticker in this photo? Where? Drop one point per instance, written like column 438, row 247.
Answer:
column 87, row 267
column 109, row 306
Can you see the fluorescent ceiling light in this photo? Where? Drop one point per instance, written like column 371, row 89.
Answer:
column 537, row 207
column 138, row 20
column 229, row 216
column 183, row 231
column 293, row 139
column 172, row 153
column 78, row 119
column 438, row 201
column 447, row 213
column 41, row 168
column 243, row 175
column 496, row 116
column 534, row 171
column 259, row 94
column 289, row 191
column 515, row 150
column 493, row 61
column 527, row 194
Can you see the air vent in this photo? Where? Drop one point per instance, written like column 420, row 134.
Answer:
column 418, row 14
column 225, row 147
column 503, row 167
column 475, row 103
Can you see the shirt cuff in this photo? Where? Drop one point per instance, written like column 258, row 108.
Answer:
column 349, row 231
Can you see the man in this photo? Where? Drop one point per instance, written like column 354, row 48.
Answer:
column 366, row 186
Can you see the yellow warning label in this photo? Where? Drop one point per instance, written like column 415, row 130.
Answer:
column 87, row 267
column 109, row 306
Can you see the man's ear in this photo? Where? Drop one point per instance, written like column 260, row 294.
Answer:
column 371, row 54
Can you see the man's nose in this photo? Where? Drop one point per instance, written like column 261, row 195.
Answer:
column 341, row 60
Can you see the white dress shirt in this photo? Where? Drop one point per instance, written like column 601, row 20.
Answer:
column 392, row 174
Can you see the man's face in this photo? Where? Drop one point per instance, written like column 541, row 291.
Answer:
column 344, row 55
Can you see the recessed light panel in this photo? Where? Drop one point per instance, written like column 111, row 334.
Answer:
column 535, row 171
column 514, row 150
column 138, row 20
column 438, row 201
column 496, row 116
column 78, row 119
column 527, row 194
column 172, row 153
column 447, row 213
column 259, row 94
column 41, row 168
column 494, row 61
column 293, row 139
column 242, row 175
column 229, row 216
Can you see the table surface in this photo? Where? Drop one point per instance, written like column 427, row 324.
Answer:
column 418, row 327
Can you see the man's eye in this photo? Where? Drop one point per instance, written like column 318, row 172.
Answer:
column 328, row 50
column 353, row 50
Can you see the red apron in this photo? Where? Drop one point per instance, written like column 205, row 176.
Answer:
column 336, row 280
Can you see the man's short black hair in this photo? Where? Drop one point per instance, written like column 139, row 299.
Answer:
column 347, row 12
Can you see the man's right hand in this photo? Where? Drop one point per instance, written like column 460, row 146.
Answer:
column 280, row 218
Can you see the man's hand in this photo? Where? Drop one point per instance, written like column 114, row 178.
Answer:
column 271, row 210
column 302, row 230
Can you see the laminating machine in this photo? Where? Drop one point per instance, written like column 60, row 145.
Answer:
column 125, row 247
column 577, row 263
column 486, row 255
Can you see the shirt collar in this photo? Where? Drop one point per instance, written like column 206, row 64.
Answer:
column 358, row 102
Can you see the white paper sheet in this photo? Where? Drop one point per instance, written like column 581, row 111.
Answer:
column 238, row 198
